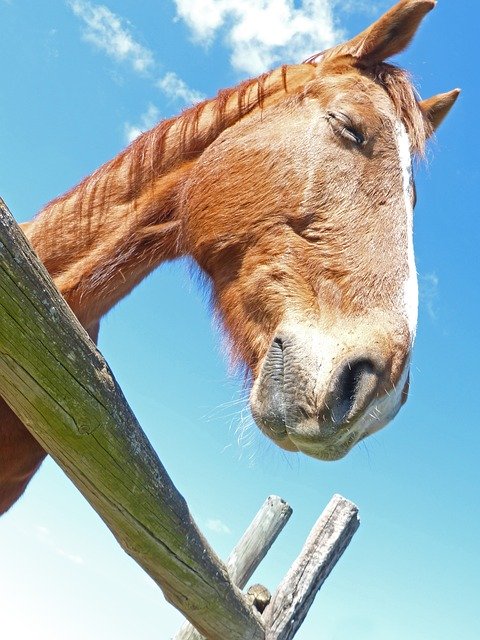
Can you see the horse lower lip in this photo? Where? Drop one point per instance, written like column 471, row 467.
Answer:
column 273, row 421
column 323, row 448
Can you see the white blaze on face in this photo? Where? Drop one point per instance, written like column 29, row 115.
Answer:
column 382, row 410
column 410, row 287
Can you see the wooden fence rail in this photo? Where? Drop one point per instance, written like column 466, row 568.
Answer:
column 58, row 383
column 60, row 386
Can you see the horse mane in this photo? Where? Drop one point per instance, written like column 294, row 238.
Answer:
column 184, row 137
column 129, row 200
column 173, row 141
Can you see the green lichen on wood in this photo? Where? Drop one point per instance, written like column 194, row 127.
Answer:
column 60, row 386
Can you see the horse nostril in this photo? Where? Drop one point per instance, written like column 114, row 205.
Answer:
column 275, row 359
column 270, row 397
column 278, row 342
column 353, row 389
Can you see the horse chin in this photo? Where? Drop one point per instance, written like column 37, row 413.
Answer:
column 297, row 439
column 328, row 444
column 323, row 440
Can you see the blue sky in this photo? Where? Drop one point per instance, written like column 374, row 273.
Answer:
column 77, row 83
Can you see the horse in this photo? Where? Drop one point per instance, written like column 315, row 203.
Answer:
column 293, row 193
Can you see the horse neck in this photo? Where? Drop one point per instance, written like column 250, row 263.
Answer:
column 105, row 235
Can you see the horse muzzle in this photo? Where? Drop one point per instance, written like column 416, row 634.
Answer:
column 323, row 401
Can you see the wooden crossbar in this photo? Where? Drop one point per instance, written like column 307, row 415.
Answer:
column 58, row 383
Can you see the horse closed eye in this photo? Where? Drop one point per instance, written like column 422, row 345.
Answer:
column 344, row 126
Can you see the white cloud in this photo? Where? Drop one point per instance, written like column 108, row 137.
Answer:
column 42, row 532
column 110, row 33
column 174, row 87
column 428, row 286
column 147, row 120
column 45, row 537
column 218, row 526
column 263, row 33
column 70, row 556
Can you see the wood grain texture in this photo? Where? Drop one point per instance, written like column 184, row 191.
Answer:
column 59, row 385
column 250, row 549
column 327, row 541
column 255, row 543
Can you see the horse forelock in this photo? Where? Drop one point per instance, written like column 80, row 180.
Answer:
column 398, row 85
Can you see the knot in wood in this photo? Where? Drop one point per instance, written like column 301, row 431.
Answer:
column 259, row 597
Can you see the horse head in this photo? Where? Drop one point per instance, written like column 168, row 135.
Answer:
column 301, row 214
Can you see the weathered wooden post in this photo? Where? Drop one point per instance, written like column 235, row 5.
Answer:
column 289, row 606
column 327, row 541
column 250, row 549
column 60, row 386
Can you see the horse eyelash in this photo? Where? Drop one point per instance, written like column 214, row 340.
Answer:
column 347, row 130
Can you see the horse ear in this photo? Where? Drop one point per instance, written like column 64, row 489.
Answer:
column 437, row 107
column 389, row 35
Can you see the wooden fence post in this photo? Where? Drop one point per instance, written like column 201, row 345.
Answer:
column 327, row 541
column 250, row 549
